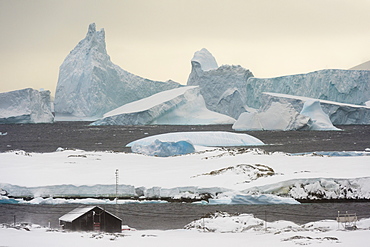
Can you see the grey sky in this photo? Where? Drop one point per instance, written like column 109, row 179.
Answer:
column 156, row 39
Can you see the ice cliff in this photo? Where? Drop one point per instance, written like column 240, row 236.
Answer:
column 223, row 88
column 25, row 106
column 344, row 86
column 339, row 113
column 90, row 85
column 182, row 106
column 274, row 116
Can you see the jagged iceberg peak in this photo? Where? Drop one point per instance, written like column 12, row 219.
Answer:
column 205, row 59
column 223, row 88
column 90, row 85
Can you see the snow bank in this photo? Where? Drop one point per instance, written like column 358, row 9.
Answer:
column 164, row 149
column 208, row 139
column 25, row 106
column 182, row 105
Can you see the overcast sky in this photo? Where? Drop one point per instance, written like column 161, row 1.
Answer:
column 156, row 39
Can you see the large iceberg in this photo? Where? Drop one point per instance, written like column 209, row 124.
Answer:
column 223, row 88
column 25, row 106
column 179, row 106
column 274, row 116
column 90, row 85
column 339, row 113
column 345, row 86
column 207, row 139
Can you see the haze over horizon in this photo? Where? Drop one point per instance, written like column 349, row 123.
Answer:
column 157, row 39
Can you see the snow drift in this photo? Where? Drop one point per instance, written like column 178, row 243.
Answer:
column 90, row 85
column 25, row 106
column 182, row 105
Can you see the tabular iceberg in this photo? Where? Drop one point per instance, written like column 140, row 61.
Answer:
column 339, row 113
column 90, row 85
column 345, row 86
column 223, row 88
column 179, row 106
column 25, row 106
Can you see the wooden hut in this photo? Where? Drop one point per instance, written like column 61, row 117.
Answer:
column 93, row 218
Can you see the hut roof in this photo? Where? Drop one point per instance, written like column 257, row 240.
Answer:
column 77, row 212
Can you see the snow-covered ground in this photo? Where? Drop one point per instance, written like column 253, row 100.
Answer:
column 231, row 171
column 217, row 230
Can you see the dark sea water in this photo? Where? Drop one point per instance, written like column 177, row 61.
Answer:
column 79, row 135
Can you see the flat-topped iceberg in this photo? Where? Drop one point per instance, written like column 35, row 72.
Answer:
column 179, row 106
column 25, row 106
column 208, row 139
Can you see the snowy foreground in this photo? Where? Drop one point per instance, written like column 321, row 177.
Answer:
column 217, row 230
column 228, row 175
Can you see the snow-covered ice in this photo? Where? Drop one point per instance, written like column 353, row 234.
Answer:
column 25, row 106
column 208, row 139
column 182, row 105
column 90, row 85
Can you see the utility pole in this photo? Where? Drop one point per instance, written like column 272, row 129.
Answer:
column 116, row 185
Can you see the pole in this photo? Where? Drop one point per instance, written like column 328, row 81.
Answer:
column 14, row 220
column 116, row 185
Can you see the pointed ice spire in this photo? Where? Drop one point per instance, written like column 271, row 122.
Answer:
column 92, row 30
column 205, row 59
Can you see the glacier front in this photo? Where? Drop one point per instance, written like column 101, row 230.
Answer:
column 90, row 85
column 223, row 88
column 179, row 106
column 25, row 106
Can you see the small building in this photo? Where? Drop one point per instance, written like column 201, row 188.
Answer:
column 93, row 218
